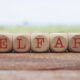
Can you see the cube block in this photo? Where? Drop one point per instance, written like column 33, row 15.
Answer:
column 21, row 42
column 74, row 42
column 5, row 42
column 58, row 42
column 40, row 42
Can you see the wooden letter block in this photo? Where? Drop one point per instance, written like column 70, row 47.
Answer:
column 21, row 42
column 74, row 42
column 5, row 42
column 58, row 42
column 40, row 42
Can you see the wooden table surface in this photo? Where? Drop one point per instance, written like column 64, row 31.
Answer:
column 39, row 66
column 39, row 61
column 40, row 75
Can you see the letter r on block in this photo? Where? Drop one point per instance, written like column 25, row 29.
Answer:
column 76, row 42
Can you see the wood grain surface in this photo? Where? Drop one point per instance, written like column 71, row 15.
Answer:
column 40, row 75
column 39, row 61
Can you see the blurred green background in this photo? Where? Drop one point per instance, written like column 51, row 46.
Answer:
column 39, row 16
column 48, row 29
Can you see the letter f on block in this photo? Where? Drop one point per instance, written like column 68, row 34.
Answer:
column 39, row 42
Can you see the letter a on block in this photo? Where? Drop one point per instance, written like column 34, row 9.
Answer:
column 74, row 42
column 58, row 42
column 21, row 42
column 5, row 42
column 40, row 42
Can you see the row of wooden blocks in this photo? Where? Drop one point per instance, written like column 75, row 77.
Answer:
column 40, row 42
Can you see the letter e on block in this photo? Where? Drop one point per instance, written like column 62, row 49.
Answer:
column 74, row 42
column 21, row 42
column 5, row 42
column 58, row 42
column 40, row 42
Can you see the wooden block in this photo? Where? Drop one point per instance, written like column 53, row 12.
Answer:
column 74, row 42
column 5, row 42
column 58, row 42
column 21, row 42
column 40, row 42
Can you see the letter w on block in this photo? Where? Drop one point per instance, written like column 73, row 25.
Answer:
column 40, row 42
column 58, row 42
column 21, row 42
column 5, row 42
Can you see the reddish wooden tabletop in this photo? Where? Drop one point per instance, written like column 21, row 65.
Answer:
column 40, row 75
column 39, row 61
